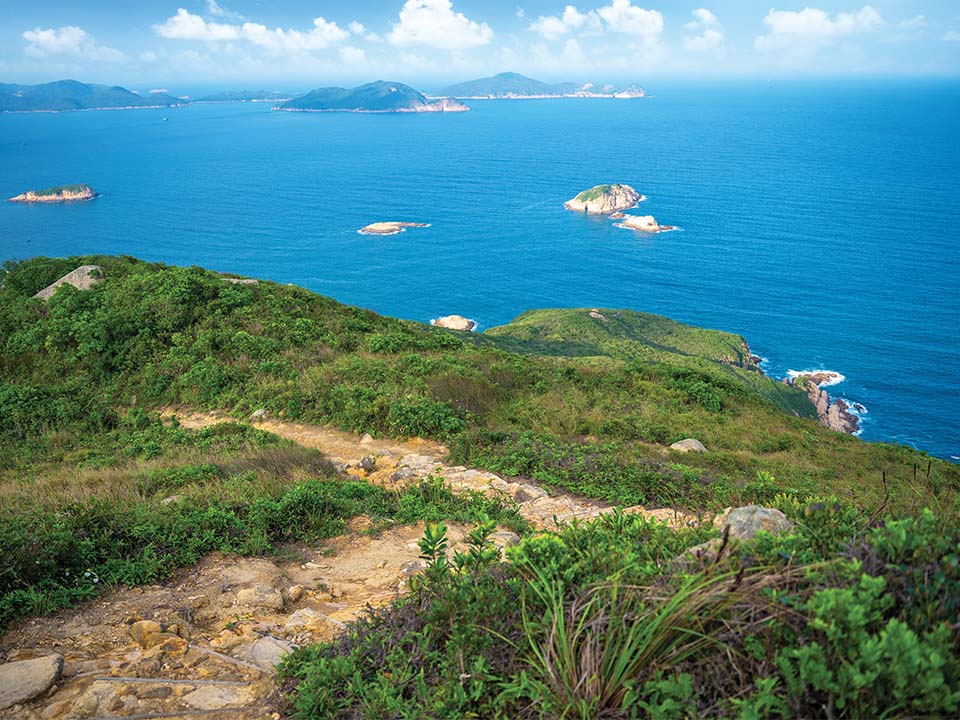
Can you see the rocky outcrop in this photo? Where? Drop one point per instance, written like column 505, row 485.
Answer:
column 745, row 522
column 454, row 322
column 26, row 679
column 83, row 278
column 604, row 199
column 64, row 193
column 390, row 227
column 688, row 445
column 833, row 414
column 644, row 223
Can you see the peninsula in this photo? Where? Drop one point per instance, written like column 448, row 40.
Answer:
column 514, row 86
column 56, row 194
column 605, row 199
column 375, row 97
column 64, row 95
column 391, row 227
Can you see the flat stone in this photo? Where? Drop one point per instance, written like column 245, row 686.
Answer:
column 528, row 493
column 268, row 651
column 26, row 679
column 688, row 445
column 261, row 596
column 214, row 697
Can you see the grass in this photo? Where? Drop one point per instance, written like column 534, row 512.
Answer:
column 593, row 193
column 61, row 189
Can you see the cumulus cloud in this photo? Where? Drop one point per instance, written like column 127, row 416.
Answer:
column 708, row 32
column 620, row 16
column 187, row 26
column 69, row 40
column 814, row 26
column 434, row 23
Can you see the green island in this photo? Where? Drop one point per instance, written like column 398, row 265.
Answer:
column 848, row 610
column 56, row 194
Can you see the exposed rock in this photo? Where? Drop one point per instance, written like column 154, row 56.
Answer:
column 215, row 697
column 644, row 223
column 688, row 445
column 454, row 322
column 241, row 281
column 604, row 199
column 268, row 651
column 26, row 679
column 745, row 522
column 834, row 415
column 367, row 463
column 366, row 439
column 305, row 619
column 63, row 193
column 148, row 633
column 390, row 227
column 294, row 593
column 259, row 415
column 504, row 538
column 260, row 596
column 528, row 493
column 83, row 278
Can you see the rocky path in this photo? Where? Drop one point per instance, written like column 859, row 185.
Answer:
column 204, row 645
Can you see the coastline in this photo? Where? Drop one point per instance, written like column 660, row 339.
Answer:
column 118, row 107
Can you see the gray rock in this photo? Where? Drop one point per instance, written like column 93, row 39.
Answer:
column 528, row 493
column 746, row 522
column 261, row 596
column 688, row 445
column 214, row 697
column 259, row 414
column 367, row 463
column 268, row 651
column 23, row 680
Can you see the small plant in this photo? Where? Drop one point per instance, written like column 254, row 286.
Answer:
column 480, row 553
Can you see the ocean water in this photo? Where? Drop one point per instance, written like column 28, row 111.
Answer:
column 820, row 221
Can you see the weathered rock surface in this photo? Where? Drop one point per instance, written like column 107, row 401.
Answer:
column 454, row 322
column 68, row 193
column 83, row 278
column 604, row 199
column 23, row 680
column 745, row 522
column 391, row 227
column 268, row 651
column 834, row 414
column 644, row 223
column 688, row 445
column 261, row 596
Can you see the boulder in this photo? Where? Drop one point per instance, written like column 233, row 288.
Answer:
column 268, row 651
column 454, row 322
column 262, row 596
column 688, row 445
column 746, row 522
column 24, row 680
column 259, row 415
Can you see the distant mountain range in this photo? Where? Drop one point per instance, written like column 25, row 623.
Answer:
column 73, row 95
column 377, row 96
column 246, row 96
column 511, row 85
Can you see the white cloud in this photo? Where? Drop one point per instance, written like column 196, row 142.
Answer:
column 157, row 91
column 217, row 10
column 68, row 40
column 709, row 37
column 357, row 28
column 435, row 24
column 814, row 26
column 915, row 22
column 624, row 17
column 353, row 55
column 620, row 16
column 187, row 26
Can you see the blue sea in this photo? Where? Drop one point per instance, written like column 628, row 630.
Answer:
column 819, row 220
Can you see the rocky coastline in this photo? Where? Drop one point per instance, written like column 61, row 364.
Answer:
column 63, row 193
column 834, row 414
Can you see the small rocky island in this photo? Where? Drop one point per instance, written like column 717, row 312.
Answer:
column 605, row 199
column 391, row 227
column 454, row 322
column 57, row 194
column 643, row 223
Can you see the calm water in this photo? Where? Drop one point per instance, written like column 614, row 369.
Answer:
column 819, row 222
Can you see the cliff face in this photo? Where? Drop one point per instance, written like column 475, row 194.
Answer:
column 604, row 199
column 832, row 414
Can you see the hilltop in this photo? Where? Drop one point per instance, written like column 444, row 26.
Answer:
column 377, row 96
column 73, row 95
column 511, row 85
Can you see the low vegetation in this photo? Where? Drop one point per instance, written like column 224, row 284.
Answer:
column 851, row 615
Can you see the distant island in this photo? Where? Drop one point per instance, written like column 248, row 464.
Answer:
column 57, row 194
column 375, row 97
column 513, row 86
column 245, row 96
column 391, row 227
column 643, row 223
column 605, row 199
column 64, row 95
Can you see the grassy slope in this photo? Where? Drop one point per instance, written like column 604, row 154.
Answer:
column 593, row 193
column 152, row 335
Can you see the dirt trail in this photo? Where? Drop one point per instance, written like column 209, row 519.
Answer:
column 204, row 645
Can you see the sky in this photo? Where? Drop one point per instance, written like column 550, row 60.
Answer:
column 288, row 44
